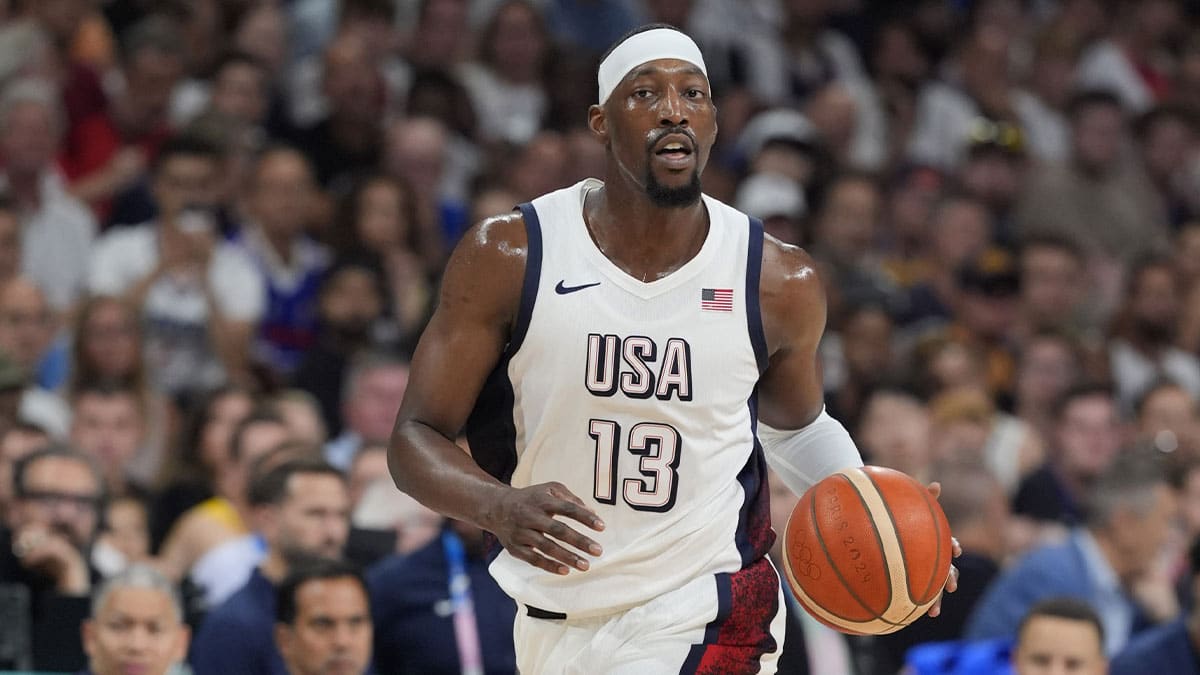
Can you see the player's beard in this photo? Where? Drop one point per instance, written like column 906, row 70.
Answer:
column 673, row 197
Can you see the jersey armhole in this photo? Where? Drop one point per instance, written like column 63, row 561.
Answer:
column 533, row 275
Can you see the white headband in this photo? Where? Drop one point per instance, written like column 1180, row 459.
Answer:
column 651, row 45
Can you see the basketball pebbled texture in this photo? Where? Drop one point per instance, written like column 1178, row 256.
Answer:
column 867, row 550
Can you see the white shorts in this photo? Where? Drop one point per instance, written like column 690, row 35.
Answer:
column 728, row 624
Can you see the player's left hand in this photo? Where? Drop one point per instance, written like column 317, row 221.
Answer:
column 935, row 489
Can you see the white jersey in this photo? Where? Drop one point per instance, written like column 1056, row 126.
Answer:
column 639, row 397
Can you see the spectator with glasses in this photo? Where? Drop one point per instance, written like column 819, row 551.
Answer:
column 46, row 550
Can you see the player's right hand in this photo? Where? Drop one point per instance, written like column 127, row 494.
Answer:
column 523, row 519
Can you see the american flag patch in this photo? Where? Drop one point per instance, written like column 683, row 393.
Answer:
column 716, row 299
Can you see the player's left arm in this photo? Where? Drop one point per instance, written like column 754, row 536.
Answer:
column 802, row 442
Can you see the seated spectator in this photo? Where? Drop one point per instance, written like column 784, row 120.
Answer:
column 107, row 350
column 349, row 309
column 374, row 388
column 1086, row 439
column 417, row 613
column 323, row 620
column 27, row 336
column 199, row 297
column 1170, row 648
column 1142, row 345
column 894, row 432
column 279, row 201
column 136, row 625
column 59, row 497
column 1057, row 635
column 1061, row 635
column 213, row 544
column 189, row 477
column 1131, row 508
column 302, row 511
column 1166, row 416
column 1048, row 364
column 379, row 217
column 107, row 152
column 57, row 230
column 108, row 423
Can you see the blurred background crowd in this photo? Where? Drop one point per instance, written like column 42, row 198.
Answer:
column 222, row 224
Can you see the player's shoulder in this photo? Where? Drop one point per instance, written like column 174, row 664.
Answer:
column 789, row 275
column 501, row 237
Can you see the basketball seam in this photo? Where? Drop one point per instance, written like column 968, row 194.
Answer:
column 895, row 529
column 838, row 572
column 879, row 542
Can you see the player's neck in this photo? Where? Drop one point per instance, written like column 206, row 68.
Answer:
column 646, row 240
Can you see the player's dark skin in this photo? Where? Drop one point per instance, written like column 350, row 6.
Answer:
column 481, row 293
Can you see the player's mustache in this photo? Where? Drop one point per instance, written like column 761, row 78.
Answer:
column 655, row 138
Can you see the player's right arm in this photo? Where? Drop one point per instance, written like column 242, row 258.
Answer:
column 479, row 301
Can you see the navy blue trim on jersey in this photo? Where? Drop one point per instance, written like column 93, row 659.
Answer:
column 490, row 428
column 754, row 256
column 713, row 630
column 754, row 535
column 533, row 274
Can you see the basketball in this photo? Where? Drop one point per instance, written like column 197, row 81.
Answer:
column 867, row 550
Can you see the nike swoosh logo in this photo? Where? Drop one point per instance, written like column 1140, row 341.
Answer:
column 563, row 289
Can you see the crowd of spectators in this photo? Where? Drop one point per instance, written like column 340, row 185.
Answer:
column 222, row 224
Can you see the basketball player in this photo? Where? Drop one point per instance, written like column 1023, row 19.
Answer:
column 614, row 348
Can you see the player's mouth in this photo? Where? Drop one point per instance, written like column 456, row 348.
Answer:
column 675, row 151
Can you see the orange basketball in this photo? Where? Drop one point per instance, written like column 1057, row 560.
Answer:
column 866, row 551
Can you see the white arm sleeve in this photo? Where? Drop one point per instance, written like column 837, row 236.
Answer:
column 802, row 457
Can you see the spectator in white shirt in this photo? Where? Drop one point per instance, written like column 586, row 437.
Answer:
column 57, row 230
column 200, row 297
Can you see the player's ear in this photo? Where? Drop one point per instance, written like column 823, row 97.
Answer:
column 598, row 122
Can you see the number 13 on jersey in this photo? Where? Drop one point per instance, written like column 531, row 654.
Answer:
column 657, row 447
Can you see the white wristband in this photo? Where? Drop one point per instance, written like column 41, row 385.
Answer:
column 822, row 448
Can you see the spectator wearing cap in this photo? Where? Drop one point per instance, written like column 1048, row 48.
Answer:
column 1130, row 61
column 785, row 142
column 1142, row 346
column 57, row 230
column 136, row 625
column 986, row 314
column 778, row 201
column 45, row 550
